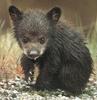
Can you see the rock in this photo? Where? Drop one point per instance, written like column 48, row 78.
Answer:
column 13, row 95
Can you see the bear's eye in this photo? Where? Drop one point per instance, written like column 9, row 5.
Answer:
column 42, row 40
column 25, row 40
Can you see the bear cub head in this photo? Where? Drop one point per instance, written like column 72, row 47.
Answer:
column 33, row 28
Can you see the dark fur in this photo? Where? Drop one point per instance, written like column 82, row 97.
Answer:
column 66, row 62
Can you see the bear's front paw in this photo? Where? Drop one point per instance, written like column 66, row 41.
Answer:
column 45, row 85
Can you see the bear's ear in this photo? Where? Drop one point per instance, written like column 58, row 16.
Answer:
column 15, row 13
column 54, row 14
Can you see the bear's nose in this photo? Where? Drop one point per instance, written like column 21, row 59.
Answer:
column 33, row 54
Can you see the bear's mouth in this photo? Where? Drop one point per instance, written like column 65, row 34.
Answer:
column 33, row 57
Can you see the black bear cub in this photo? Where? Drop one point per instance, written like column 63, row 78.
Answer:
column 60, row 54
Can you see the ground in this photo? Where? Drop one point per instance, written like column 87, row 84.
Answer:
column 18, row 89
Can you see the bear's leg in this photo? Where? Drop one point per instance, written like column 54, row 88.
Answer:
column 27, row 65
column 44, row 80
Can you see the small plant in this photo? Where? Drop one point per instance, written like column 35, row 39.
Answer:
column 92, row 42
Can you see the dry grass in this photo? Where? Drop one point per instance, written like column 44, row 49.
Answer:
column 92, row 45
column 9, row 55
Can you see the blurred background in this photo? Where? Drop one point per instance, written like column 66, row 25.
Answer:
column 80, row 15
